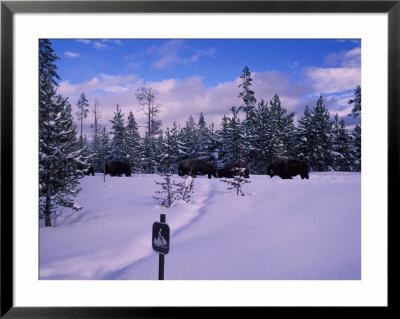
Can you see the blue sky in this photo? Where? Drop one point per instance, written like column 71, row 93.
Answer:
column 203, row 75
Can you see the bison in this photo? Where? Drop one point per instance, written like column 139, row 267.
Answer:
column 195, row 166
column 286, row 168
column 234, row 169
column 117, row 168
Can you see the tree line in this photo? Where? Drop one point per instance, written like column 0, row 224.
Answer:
column 256, row 132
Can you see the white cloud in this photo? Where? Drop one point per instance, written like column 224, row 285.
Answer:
column 331, row 80
column 350, row 58
column 99, row 45
column 84, row 41
column 176, row 52
column 178, row 99
column 69, row 54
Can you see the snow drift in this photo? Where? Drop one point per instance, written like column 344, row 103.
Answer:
column 282, row 229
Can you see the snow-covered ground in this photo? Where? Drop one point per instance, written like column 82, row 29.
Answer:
column 282, row 229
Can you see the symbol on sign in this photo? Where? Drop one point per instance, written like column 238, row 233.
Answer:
column 160, row 237
column 160, row 241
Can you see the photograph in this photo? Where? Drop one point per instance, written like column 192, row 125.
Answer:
column 199, row 159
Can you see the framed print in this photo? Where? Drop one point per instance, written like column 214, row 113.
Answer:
column 214, row 145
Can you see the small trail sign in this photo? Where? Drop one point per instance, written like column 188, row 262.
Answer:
column 160, row 243
column 160, row 238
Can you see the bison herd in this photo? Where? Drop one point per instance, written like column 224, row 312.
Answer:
column 284, row 168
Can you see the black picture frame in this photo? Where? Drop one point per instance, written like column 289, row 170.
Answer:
column 9, row 8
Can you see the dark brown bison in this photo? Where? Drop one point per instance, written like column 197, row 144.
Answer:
column 195, row 166
column 117, row 168
column 234, row 169
column 286, row 168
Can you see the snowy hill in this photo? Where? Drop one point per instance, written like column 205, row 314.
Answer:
column 282, row 229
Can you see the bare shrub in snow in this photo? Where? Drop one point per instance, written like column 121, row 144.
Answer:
column 172, row 191
column 236, row 183
column 185, row 189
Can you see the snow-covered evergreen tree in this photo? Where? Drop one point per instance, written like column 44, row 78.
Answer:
column 356, row 111
column 61, row 160
column 161, row 154
column 305, row 135
column 249, row 123
column 133, row 143
column 247, row 95
column 146, row 98
column 96, row 127
column 149, row 159
column 356, row 148
column 189, row 138
column 213, row 147
column 275, row 134
column 264, row 153
column 104, row 151
column 234, row 139
column 222, row 136
column 203, row 138
column 118, row 142
column 341, row 146
column 278, row 126
column 356, row 133
column 174, row 148
column 320, row 155
column 83, row 110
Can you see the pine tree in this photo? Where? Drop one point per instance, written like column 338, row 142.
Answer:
column 235, row 138
column 249, row 103
column 146, row 98
column 118, row 143
column 356, row 148
column 278, row 125
column 48, row 75
column 321, row 129
column 305, row 135
column 104, row 151
column 161, row 155
column 174, row 148
column 82, row 104
column 356, row 133
column 97, row 164
column 213, row 147
column 247, row 95
column 341, row 146
column 189, row 136
column 356, row 111
column 61, row 160
column 262, row 142
column 222, row 136
column 275, row 134
column 133, row 143
column 203, row 138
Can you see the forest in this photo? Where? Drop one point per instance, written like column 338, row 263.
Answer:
column 255, row 132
